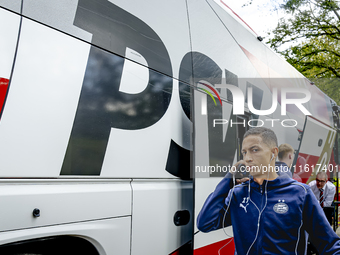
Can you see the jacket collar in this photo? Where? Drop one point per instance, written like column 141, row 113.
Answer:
column 280, row 181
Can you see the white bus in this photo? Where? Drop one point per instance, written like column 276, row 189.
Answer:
column 97, row 102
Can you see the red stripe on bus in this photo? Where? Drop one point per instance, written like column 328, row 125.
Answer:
column 238, row 16
column 175, row 253
column 304, row 166
column 3, row 91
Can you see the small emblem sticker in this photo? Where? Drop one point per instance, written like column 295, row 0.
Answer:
column 281, row 208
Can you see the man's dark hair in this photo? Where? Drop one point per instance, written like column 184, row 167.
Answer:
column 268, row 135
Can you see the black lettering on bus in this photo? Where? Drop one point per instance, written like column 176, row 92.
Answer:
column 101, row 105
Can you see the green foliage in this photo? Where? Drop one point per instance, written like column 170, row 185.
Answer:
column 330, row 86
column 309, row 38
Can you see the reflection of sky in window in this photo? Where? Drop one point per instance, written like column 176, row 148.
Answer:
column 260, row 15
column 100, row 94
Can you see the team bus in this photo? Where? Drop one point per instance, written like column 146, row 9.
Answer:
column 106, row 114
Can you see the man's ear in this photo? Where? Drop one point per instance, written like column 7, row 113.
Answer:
column 275, row 151
column 290, row 156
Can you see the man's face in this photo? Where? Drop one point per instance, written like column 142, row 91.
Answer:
column 256, row 154
column 320, row 182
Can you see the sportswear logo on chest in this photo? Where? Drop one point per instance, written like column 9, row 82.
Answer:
column 281, row 207
column 245, row 203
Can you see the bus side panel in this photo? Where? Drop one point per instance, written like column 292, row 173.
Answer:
column 13, row 5
column 315, row 150
column 41, row 103
column 115, row 25
column 155, row 203
column 62, row 202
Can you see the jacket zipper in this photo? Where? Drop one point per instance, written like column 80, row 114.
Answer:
column 259, row 241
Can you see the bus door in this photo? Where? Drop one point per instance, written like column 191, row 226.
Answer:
column 217, row 147
column 315, row 150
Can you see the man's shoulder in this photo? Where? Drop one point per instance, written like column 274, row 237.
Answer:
column 330, row 185
column 291, row 186
column 301, row 186
column 280, row 163
column 312, row 183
